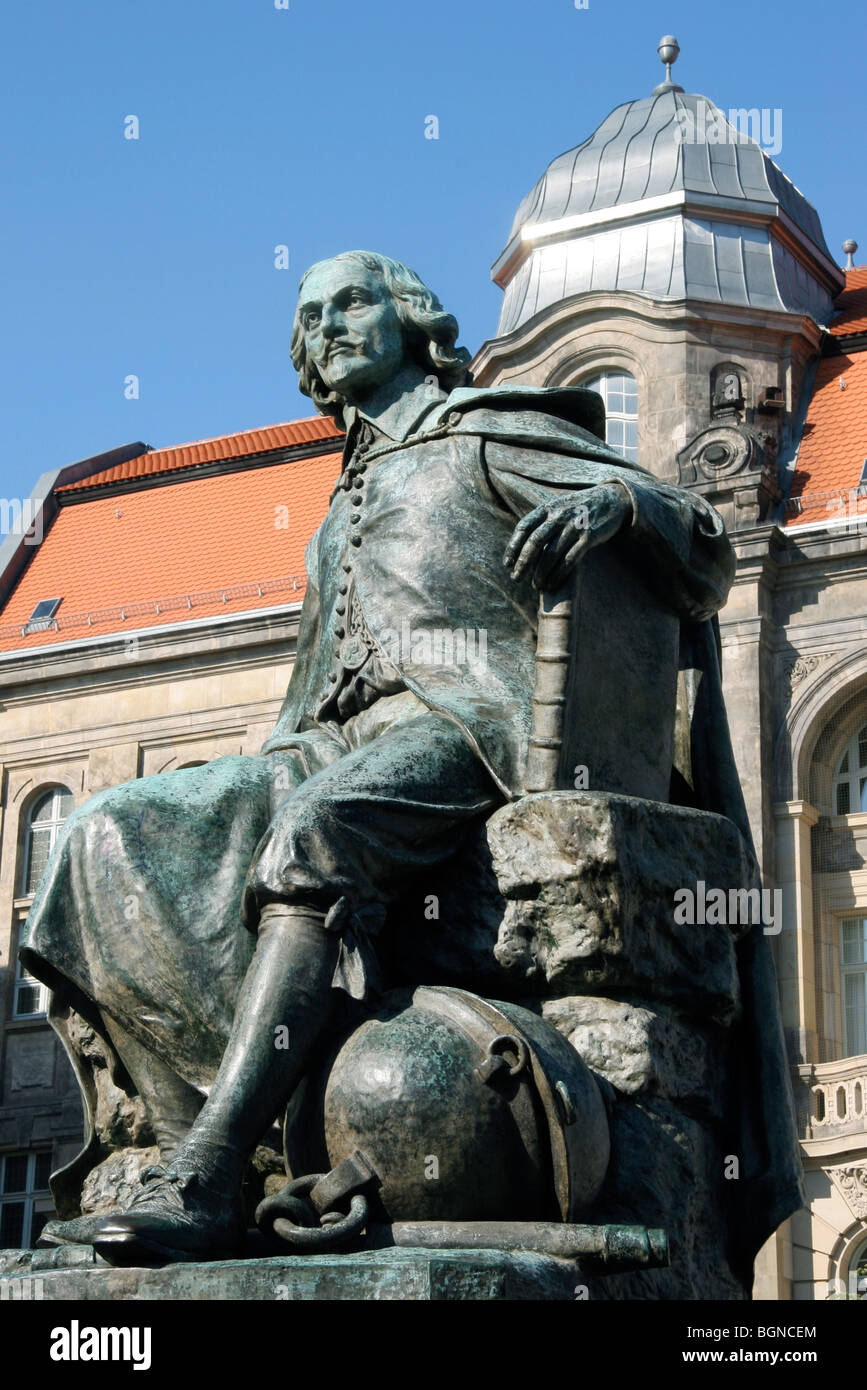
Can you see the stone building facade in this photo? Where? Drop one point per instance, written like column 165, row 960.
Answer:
column 688, row 280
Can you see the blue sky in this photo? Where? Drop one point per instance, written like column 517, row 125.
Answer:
column 305, row 126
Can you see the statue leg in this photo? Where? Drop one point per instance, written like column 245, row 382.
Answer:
column 337, row 847
column 191, row 1208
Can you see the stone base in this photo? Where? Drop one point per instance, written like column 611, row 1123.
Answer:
column 388, row 1275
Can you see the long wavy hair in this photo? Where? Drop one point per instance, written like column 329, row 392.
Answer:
column 431, row 333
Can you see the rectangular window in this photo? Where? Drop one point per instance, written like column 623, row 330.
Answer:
column 25, row 1201
column 843, row 802
column 853, row 962
column 31, row 997
column 42, row 615
column 14, row 1173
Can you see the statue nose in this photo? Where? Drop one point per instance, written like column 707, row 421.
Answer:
column 331, row 322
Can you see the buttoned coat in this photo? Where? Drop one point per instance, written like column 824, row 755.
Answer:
column 422, row 539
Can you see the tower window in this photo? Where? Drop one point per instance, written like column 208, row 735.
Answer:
column 619, row 391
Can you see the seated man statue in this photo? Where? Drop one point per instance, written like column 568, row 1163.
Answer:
column 191, row 914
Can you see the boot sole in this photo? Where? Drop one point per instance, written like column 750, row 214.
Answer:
column 128, row 1251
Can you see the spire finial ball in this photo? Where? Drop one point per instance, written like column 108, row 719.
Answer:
column 668, row 49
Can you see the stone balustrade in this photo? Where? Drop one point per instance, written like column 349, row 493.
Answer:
column 833, row 1098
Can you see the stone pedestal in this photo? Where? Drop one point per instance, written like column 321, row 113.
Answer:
column 379, row 1275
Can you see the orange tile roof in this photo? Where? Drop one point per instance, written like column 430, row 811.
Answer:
column 833, row 444
column 202, row 546
column 851, row 304
column 225, row 446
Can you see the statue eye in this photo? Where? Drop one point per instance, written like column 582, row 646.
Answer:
column 311, row 319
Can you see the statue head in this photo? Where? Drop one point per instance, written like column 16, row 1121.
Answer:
column 361, row 318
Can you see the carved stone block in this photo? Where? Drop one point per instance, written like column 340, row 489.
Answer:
column 574, row 893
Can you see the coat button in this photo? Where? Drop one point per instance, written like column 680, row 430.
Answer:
column 357, row 499
column 355, row 540
column 340, row 632
column 340, row 607
column 354, row 520
column 342, row 590
column 347, row 569
column 333, row 677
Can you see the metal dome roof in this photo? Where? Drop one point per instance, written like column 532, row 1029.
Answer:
column 636, row 153
column 669, row 199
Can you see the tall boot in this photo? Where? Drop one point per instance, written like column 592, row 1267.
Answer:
column 191, row 1208
column 172, row 1107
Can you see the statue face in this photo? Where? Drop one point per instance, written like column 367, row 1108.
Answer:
column 351, row 329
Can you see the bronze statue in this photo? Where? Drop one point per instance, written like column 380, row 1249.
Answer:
column 191, row 916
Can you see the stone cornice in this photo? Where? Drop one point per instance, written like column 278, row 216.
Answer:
column 610, row 305
column 189, row 726
column 774, row 549
column 840, row 556
column 757, row 550
column 211, row 644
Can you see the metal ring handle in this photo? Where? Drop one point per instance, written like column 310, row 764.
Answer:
column 510, row 1042
column 324, row 1237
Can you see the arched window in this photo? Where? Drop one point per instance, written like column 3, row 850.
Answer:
column 619, row 391
column 850, row 783
column 858, row 1274
column 47, row 815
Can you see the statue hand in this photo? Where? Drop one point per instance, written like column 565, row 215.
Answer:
column 551, row 540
